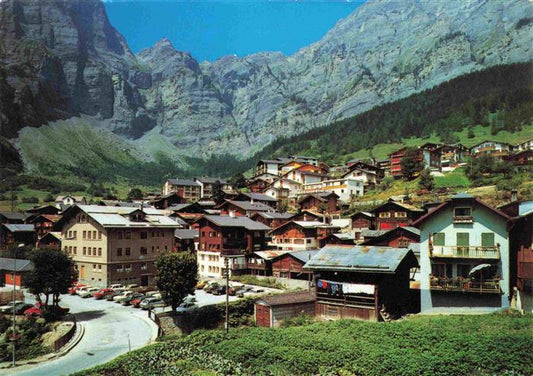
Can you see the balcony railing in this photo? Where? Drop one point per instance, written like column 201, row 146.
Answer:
column 489, row 286
column 464, row 252
column 237, row 244
column 463, row 219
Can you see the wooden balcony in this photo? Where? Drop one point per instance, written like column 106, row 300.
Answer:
column 490, row 286
column 463, row 219
column 472, row 252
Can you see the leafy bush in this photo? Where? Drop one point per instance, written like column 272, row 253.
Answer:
column 30, row 200
column 253, row 280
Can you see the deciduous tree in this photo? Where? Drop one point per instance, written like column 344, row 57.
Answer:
column 426, row 180
column 411, row 163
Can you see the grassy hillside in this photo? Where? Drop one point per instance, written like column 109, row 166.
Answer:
column 420, row 345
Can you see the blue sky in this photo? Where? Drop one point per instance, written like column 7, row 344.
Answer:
column 210, row 29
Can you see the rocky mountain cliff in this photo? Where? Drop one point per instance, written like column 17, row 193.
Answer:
column 62, row 58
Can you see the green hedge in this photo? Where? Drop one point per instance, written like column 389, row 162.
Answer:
column 421, row 345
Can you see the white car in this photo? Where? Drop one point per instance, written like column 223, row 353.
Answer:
column 116, row 286
column 89, row 292
column 122, row 295
column 83, row 289
column 9, row 306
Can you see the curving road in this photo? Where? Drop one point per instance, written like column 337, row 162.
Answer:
column 110, row 329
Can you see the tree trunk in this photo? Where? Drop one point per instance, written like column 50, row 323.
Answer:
column 46, row 301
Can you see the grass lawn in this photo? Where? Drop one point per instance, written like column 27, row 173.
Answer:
column 419, row 345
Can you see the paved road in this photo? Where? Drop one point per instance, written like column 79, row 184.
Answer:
column 108, row 327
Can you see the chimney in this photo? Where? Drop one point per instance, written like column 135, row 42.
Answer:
column 231, row 213
column 514, row 195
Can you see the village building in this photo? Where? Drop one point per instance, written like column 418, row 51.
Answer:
column 451, row 156
column 44, row 209
column 346, row 238
column 116, row 244
column 259, row 184
column 257, row 197
column 290, row 265
column 306, row 215
column 186, row 240
column 361, row 220
column 368, row 283
column 206, row 186
column 283, row 189
column 186, row 189
column 18, row 267
column 126, row 204
column 51, row 239
column 396, row 162
column 464, row 256
column 345, row 188
column 523, row 146
column 63, row 202
column 272, row 220
column 244, row 208
column 384, row 165
column 12, row 218
column 260, row 262
column 15, row 234
column 492, row 149
column 394, row 214
column 367, row 234
column 227, row 237
column 301, row 235
column 369, row 178
column 268, row 166
column 166, row 201
column 522, row 158
column 320, row 202
column 400, row 237
column 270, row 311
column 44, row 223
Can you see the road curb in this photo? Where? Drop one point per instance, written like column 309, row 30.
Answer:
column 78, row 335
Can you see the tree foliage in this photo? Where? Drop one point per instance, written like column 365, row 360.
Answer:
column 53, row 274
column 217, row 193
column 177, row 275
column 238, row 181
column 135, row 194
column 411, row 163
column 426, row 180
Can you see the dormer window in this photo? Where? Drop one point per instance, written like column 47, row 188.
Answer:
column 463, row 215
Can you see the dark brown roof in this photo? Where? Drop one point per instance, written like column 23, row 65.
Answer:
column 288, row 298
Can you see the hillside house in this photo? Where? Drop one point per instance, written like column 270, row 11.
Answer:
column 492, row 149
column 51, row 239
column 44, row 209
column 259, row 184
column 361, row 220
column 345, row 188
column 368, row 283
column 166, row 201
column 44, row 223
column 270, row 311
column 396, row 162
column 185, row 239
column 272, row 220
column 115, row 244
column 18, row 267
column 280, row 194
column 260, row 262
column 69, row 200
column 464, row 256
column 13, row 218
column 206, row 186
column 523, row 146
column 257, row 197
column 400, row 237
column 15, row 234
column 306, row 215
column 522, row 158
column 451, row 156
column 320, row 202
column 189, row 190
column 279, row 188
column 231, row 237
column 268, row 166
column 394, row 214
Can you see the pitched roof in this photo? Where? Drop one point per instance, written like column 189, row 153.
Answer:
column 366, row 214
column 228, row 221
column 275, row 215
column 248, row 205
column 270, row 254
column 367, row 233
column 258, row 196
column 50, row 217
column 39, row 208
column 306, row 224
column 20, row 264
column 13, row 215
column 211, row 180
column 288, row 298
column 186, row 233
column 361, row 259
column 19, row 228
column 185, row 182
column 54, row 234
column 304, row 256
column 319, row 196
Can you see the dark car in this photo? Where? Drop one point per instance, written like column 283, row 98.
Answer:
column 211, row 287
column 129, row 298
column 110, row 297
column 220, row 290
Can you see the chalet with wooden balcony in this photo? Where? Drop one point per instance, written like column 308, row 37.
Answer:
column 44, row 224
column 231, row 237
column 301, row 235
column 272, row 220
column 492, row 149
column 394, row 214
column 361, row 220
column 395, row 159
column 13, row 218
column 15, row 234
column 400, row 237
column 320, row 202
column 51, row 239
column 290, row 264
column 257, row 197
column 260, row 262
column 189, row 190
column 464, row 256
column 243, row 208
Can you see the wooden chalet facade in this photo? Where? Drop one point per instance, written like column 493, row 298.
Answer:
column 12, row 218
column 270, row 311
column 301, row 235
column 396, row 162
column 394, row 214
column 51, row 239
column 290, row 265
column 400, row 237
column 243, row 208
column 362, row 220
column 368, row 283
column 164, row 202
column 15, row 234
column 317, row 202
column 272, row 220
column 44, row 224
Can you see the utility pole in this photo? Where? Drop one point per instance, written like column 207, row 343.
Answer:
column 226, row 265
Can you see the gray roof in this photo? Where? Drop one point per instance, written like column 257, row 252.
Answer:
column 462, row 195
column 13, row 215
column 271, row 161
column 186, row 233
column 375, row 259
column 247, row 205
column 276, row 215
column 20, row 264
column 211, row 180
column 259, row 196
column 227, row 221
column 304, row 256
column 178, row 207
column 366, row 233
column 414, row 230
column 19, row 228
column 183, row 182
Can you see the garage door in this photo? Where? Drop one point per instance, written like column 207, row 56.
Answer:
column 9, row 279
column 262, row 315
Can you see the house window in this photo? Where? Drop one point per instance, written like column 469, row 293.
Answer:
column 119, row 268
column 89, row 235
column 94, row 235
column 75, row 234
column 99, row 251
column 119, row 252
column 462, row 212
column 128, row 251
column 144, row 235
column 75, row 250
column 99, row 235
column 128, row 234
column 441, row 270
column 384, row 215
column 144, row 251
column 400, row 214
column 94, row 251
column 119, row 234
column 487, row 239
column 84, row 251
column 438, row 238
column 463, row 239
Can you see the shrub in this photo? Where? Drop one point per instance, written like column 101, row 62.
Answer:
column 30, row 200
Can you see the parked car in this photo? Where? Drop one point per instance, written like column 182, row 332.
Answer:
column 200, row 285
column 132, row 286
column 186, row 307
column 210, row 287
column 151, row 303
column 125, row 300
column 75, row 287
column 122, row 295
column 116, row 286
column 19, row 307
column 136, row 303
column 34, row 311
column 89, row 292
column 190, row 299
column 220, row 290
column 83, row 289
column 257, row 290
column 100, row 294
column 110, row 297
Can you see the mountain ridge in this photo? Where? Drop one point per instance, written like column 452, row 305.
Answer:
column 73, row 62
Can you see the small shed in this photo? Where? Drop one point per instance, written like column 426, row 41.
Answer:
column 19, row 266
column 270, row 311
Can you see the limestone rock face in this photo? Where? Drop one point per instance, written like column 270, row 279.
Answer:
column 62, row 58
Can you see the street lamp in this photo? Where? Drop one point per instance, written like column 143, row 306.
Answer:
column 13, row 337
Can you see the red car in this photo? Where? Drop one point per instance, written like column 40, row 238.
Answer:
column 136, row 303
column 103, row 293
column 75, row 287
column 34, row 311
